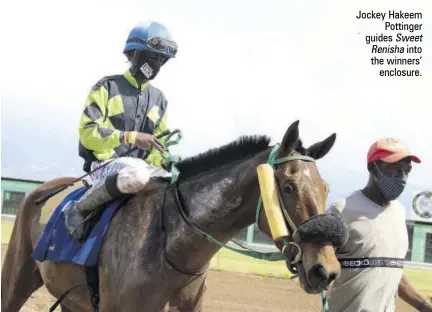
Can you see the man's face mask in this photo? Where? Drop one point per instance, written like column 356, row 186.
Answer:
column 390, row 188
column 148, row 64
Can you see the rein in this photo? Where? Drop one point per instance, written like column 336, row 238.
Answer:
column 268, row 256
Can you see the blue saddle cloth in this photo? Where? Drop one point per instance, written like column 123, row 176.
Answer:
column 57, row 244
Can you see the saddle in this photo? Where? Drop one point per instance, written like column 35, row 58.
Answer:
column 61, row 197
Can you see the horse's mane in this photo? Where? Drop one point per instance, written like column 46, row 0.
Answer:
column 242, row 148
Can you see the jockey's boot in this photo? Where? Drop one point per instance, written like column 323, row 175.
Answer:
column 76, row 211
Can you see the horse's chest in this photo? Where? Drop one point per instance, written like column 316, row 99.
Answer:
column 132, row 267
column 141, row 283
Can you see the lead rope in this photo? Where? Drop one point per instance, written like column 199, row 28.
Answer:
column 324, row 302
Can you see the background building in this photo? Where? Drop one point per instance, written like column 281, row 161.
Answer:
column 419, row 224
column 13, row 192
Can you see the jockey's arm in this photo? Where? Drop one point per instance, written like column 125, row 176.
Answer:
column 95, row 129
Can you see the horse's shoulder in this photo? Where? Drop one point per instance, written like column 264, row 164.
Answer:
column 155, row 188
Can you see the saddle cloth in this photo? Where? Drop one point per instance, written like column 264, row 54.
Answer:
column 57, row 244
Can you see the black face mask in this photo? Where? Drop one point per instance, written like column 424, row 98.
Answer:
column 146, row 65
column 391, row 188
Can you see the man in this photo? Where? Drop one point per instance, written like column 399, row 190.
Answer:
column 377, row 229
column 121, row 112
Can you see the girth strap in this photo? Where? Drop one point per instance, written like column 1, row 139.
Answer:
column 92, row 278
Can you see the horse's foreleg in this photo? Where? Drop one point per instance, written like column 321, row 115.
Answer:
column 64, row 309
column 20, row 274
column 190, row 298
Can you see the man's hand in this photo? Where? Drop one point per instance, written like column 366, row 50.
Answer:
column 146, row 141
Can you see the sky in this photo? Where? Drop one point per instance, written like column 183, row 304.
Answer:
column 243, row 67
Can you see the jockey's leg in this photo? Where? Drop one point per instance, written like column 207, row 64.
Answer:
column 124, row 176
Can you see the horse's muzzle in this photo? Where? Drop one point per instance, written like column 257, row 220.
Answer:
column 326, row 227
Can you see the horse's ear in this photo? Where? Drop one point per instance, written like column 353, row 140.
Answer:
column 290, row 139
column 320, row 149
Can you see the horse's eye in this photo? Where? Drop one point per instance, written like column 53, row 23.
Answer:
column 289, row 188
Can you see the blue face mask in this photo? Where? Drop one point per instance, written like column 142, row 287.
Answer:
column 390, row 188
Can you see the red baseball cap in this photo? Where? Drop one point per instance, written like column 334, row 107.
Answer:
column 389, row 150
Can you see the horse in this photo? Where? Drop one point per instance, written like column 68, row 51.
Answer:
column 155, row 253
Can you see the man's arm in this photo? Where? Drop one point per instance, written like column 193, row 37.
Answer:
column 410, row 295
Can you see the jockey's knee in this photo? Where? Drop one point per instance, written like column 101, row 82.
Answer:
column 132, row 179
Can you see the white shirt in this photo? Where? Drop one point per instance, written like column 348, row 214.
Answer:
column 374, row 231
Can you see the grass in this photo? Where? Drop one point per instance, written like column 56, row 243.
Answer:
column 6, row 231
column 421, row 279
column 227, row 260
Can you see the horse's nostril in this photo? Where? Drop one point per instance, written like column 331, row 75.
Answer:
column 332, row 277
column 320, row 272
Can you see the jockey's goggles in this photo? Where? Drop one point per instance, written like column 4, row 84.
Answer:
column 158, row 44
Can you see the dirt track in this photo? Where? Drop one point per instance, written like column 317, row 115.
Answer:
column 229, row 292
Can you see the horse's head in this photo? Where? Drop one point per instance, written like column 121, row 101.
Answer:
column 314, row 234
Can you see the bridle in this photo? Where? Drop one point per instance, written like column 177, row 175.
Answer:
column 291, row 244
column 291, row 251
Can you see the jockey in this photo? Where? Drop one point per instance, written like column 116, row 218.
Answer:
column 121, row 112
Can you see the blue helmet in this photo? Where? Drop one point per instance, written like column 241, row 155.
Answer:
column 153, row 37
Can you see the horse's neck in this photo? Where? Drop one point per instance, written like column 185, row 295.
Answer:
column 220, row 204
column 225, row 201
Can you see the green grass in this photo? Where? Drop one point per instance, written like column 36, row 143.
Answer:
column 227, row 260
column 6, row 231
column 421, row 279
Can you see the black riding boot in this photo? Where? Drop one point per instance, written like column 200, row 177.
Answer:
column 75, row 211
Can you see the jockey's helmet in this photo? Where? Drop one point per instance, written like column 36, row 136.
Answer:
column 152, row 37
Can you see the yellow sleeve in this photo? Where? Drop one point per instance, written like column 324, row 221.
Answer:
column 95, row 130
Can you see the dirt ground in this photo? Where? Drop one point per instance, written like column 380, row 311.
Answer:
column 231, row 292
